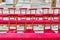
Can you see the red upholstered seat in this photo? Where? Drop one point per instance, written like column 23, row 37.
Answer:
column 29, row 31
column 29, row 21
column 12, row 31
column 58, row 30
column 29, row 15
column 12, row 8
column 48, row 31
column 23, row 8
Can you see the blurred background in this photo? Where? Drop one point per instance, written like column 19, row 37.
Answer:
column 29, row 3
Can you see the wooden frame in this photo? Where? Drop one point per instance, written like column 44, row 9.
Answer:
column 31, row 9
column 2, row 12
column 45, row 14
column 32, row 24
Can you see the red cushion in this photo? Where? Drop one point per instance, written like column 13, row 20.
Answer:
column 12, row 31
column 29, row 31
column 48, row 31
column 58, row 30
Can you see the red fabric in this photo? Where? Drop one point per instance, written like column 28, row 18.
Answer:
column 12, row 8
column 58, row 30
column 29, row 15
column 12, row 31
column 29, row 36
column 29, row 31
column 48, row 31
column 29, row 21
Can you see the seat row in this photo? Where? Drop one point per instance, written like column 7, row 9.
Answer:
column 29, row 15
column 32, row 31
column 32, row 10
column 29, row 22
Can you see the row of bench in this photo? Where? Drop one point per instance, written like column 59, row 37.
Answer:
column 29, row 15
column 26, row 22
column 29, row 21
column 32, row 10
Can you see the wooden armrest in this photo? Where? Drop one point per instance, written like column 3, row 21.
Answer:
column 33, row 9
column 1, row 8
column 45, row 8
column 12, row 8
column 22, row 8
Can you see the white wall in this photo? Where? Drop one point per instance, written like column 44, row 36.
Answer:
column 34, row 3
column 58, row 3
column 9, row 1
